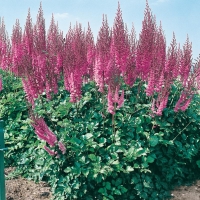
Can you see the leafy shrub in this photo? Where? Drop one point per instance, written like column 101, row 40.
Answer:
column 141, row 157
column 19, row 135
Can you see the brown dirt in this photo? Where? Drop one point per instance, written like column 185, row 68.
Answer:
column 187, row 192
column 22, row 189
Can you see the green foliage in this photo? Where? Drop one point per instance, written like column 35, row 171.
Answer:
column 143, row 158
column 19, row 135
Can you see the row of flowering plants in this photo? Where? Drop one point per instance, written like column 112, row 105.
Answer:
column 116, row 119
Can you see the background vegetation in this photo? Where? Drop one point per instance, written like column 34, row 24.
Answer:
column 143, row 159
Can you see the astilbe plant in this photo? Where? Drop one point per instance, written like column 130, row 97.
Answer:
column 91, row 50
column 120, row 48
column 41, row 59
column 5, row 57
column 17, row 50
column 74, row 62
column 54, row 47
column 102, row 54
column 172, row 63
column 130, row 76
column 117, row 66
column 156, row 71
column 112, row 79
column 146, row 45
column 45, row 134
column 187, row 77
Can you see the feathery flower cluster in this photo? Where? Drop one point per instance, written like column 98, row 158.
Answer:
column 90, row 50
column 183, row 102
column 51, row 152
column 186, row 62
column 120, row 47
column 4, row 47
column 44, row 133
column 131, row 75
column 159, row 104
column 75, row 62
column 62, row 147
column 102, row 55
column 146, row 45
column 40, row 59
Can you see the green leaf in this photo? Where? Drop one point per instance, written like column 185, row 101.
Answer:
column 123, row 189
column 101, row 190
column 39, row 161
column 68, row 190
column 146, row 184
column 67, row 170
column 118, row 182
column 129, row 169
column 85, row 171
column 153, row 141
column 24, row 127
column 150, row 159
column 111, row 197
column 92, row 157
column 171, row 120
column 117, row 192
column 88, row 135
column 198, row 163
column 108, row 186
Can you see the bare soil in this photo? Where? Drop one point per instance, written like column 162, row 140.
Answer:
column 22, row 189
column 187, row 192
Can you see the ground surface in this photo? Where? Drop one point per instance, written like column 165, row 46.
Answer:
column 187, row 192
column 22, row 189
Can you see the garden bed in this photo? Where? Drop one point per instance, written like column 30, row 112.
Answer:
column 22, row 189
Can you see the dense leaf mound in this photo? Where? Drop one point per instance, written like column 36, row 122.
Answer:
column 130, row 155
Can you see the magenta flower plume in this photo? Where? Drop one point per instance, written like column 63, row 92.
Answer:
column 156, row 76
column 51, row 152
column 28, row 63
column 28, row 37
column 186, row 62
column 146, row 44
column 29, row 92
column 117, row 99
column 172, row 60
column 121, row 100
column 102, row 55
column 54, row 47
column 90, row 52
column 121, row 48
column 75, row 62
column 196, row 74
column 43, row 131
column 17, row 50
column 62, row 147
column 99, row 75
column 39, row 57
column 116, row 95
column 131, row 73
column 111, row 108
column 183, row 102
column 5, row 58
column 151, row 84
column 160, row 104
